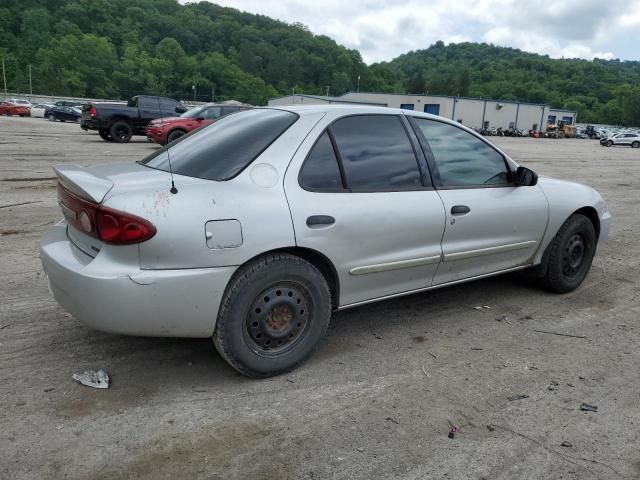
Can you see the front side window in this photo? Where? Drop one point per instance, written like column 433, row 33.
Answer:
column 461, row 158
column 376, row 153
column 223, row 149
column 320, row 170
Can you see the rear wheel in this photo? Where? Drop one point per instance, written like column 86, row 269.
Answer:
column 176, row 134
column 51, row 117
column 104, row 134
column 635, row 144
column 273, row 314
column 121, row 132
column 570, row 254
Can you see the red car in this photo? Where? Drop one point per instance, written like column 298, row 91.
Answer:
column 10, row 108
column 166, row 130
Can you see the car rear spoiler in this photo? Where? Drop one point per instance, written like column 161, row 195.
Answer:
column 80, row 181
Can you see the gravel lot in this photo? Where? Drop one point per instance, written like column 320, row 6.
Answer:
column 377, row 399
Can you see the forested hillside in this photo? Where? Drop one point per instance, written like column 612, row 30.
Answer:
column 607, row 91
column 119, row 48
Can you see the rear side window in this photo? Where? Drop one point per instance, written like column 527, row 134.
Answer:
column 376, row 153
column 223, row 149
column 320, row 170
column 461, row 158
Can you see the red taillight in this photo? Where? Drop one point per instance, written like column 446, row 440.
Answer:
column 122, row 228
column 107, row 224
column 93, row 112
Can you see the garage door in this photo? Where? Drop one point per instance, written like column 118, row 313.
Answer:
column 432, row 108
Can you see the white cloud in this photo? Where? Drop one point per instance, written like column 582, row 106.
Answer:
column 383, row 29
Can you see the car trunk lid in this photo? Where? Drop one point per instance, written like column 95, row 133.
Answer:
column 83, row 191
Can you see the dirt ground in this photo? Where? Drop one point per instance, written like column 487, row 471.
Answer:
column 379, row 396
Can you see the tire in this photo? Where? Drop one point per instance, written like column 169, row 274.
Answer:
column 609, row 143
column 121, row 132
column 51, row 117
column 569, row 255
column 250, row 338
column 104, row 134
column 635, row 144
column 175, row 134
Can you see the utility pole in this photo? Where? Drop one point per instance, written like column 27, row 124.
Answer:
column 213, row 93
column 358, row 89
column 194, row 91
column 30, row 84
column 4, row 76
column 293, row 90
column 328, row 90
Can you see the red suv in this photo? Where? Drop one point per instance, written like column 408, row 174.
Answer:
column 9, row 108
column 166, row 130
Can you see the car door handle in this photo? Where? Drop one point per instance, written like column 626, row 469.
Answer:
column 320, row 220
column 459, row 210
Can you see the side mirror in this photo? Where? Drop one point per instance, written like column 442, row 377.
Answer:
column 199, row 119
column 526, row 177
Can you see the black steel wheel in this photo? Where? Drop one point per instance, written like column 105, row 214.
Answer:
column 121, row 132
column 569, row 255
column 274, row 312
column 278, row 318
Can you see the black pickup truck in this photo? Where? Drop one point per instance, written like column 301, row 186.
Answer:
column 118, row 122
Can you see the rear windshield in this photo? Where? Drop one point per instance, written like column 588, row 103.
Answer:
column 223, row 149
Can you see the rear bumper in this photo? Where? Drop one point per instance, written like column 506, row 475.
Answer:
column 114, row 295
column 92, row 124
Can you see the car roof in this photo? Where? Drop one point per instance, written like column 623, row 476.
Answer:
column 359, row 110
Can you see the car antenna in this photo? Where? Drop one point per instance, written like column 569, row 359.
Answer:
column 173, row 188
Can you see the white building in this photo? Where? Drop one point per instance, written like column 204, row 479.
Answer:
column 472, row 112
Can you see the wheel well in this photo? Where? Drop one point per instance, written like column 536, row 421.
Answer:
column 592, row 215
column 175, row 130
column 119, row 119
column 323, row 264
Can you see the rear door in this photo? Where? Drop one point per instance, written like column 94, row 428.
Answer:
column 492, row 225
column 359, row 194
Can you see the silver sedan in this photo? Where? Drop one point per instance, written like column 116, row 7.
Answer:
column 254, row 229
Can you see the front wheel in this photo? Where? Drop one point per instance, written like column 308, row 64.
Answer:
column 609, row 143
column 570, row 254
column 51, row 117
column 635, row 144
column 176, row 134
column 273, row 314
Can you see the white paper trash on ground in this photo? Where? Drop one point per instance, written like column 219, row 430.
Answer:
column 91, row 378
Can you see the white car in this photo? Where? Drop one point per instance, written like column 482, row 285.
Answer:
column 629, row 139
column 40, row 109
column 252, row 230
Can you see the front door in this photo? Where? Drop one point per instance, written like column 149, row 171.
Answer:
column 491, row 225
column 360, row 196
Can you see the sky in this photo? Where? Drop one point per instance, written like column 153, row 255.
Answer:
column 383, row 29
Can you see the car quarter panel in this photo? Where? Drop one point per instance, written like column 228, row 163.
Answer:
column 255, row 199
column 564, row 199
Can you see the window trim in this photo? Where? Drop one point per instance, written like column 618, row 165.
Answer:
column 433, row 167
column 423, row 170
column 306, row 159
